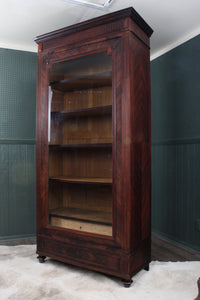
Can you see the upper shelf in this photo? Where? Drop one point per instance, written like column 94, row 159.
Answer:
column 97, row 110
column 83, row 82
column 69, row 146
column 84, row 180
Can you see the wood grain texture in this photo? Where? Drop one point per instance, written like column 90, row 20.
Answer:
column 81, row 83
column 81, row 226
column 141, row 143
column 88, row 98
column 80, row 163
column 83, row 214
column 79, row 146
column 96, row 110
column 125, row 248
column 82, row 180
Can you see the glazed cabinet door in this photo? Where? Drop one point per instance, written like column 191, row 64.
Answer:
column 80, row 142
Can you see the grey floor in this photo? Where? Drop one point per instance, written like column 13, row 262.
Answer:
column 164, row 250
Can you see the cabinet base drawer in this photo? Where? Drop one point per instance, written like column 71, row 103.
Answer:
column 94, row 259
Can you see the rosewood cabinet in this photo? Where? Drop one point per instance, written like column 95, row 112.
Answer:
column 94, row 145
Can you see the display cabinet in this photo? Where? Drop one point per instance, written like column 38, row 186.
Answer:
column 94, row 145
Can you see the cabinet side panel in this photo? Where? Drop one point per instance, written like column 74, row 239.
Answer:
column 134, row 143
column 125, row 146
column 141, row 141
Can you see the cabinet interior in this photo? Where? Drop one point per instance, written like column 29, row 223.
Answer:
column 80, row 144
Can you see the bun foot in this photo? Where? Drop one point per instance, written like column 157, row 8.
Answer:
column 146, row 268
column 41, row 258
column 127, row 283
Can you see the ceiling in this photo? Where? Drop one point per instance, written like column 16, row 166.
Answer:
column 173, row 21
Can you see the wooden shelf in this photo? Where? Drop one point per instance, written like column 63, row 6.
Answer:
column 99, row 217
column 82, row 180
column 89, row 111
column 83, row 82
column 70, row 146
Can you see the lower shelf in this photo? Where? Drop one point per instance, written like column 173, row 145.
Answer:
column 82, row 180
column 99, row 217
column 83, row 220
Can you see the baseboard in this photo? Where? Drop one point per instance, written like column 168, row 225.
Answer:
column 177, row 242
column 17, row 237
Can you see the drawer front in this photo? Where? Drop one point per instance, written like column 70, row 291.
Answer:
column 91, row 258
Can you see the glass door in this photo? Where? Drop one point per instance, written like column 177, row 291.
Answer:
column 80, row 144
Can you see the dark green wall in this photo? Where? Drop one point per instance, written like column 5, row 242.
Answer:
column 176, row 143
column 17, row 143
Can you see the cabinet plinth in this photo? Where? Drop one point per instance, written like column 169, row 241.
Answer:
column 94, row 145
